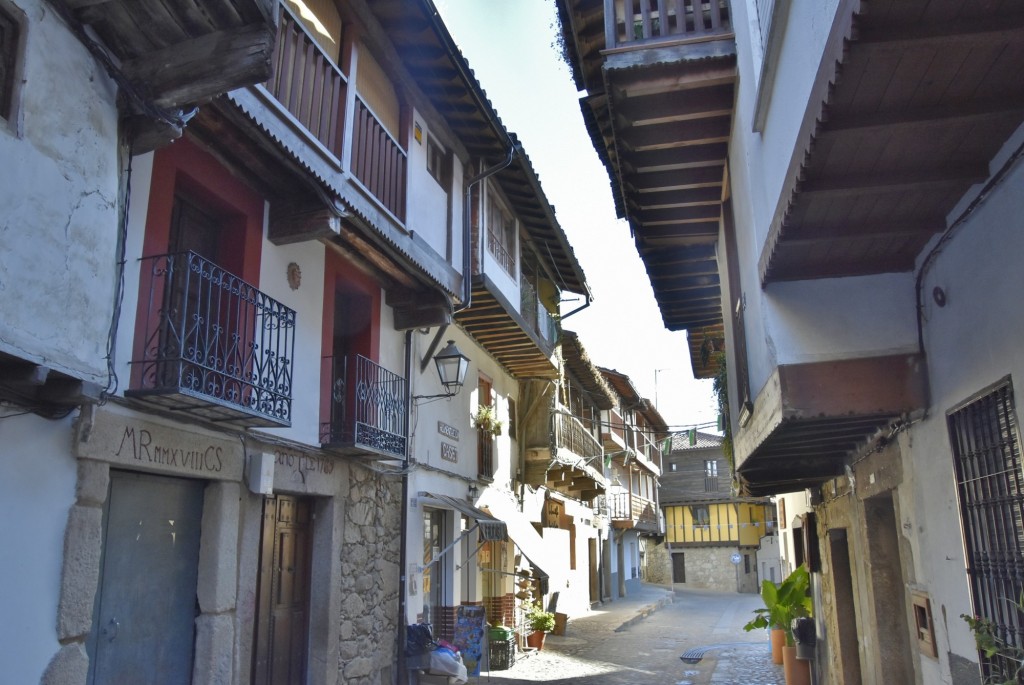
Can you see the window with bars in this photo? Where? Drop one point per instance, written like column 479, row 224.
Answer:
column 501, row 235
column 10, row 37
column 990, row 487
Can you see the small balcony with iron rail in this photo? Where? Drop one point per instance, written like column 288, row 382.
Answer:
column 212, row 346
column 368, row 412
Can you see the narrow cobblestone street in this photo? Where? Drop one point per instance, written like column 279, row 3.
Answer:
column 642, row 640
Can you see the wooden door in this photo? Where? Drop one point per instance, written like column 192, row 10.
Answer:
column 282, row 611
column 144, row 617
column 679, row 567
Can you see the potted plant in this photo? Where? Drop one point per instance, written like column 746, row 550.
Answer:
column 541, row 623
column 486, row 419
column 782, row 604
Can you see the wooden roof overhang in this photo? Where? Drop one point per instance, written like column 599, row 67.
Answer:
column 168, row 55
column 589, row 378
column 434, row 62
column 574, row 476
column 925, row 93
column 497, row 325
column 659, row 114
column 811, row 417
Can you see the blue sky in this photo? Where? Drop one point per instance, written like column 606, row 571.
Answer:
column 510, row 45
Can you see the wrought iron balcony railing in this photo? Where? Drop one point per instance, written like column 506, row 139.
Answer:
column 642, row 22
column 211, row 336
column 368, row 408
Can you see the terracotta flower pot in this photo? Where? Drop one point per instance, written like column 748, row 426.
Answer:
column 536, row 639
column 778, row 637
column 798, row 671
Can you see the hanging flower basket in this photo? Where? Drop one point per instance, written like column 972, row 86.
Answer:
column 486, row 419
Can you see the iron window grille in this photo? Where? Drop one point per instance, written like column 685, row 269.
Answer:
column 990, row 486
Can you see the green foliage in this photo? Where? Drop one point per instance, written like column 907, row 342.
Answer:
column 538, row 619
column 486, row 419
column 783, row 603
column 991, row 645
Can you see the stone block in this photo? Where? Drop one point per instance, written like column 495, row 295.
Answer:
column 215, row 639
column 218, row 552
column 83, row 541
column 69, row 666
column 93, row 482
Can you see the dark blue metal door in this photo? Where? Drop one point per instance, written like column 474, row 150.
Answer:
column 143, row 629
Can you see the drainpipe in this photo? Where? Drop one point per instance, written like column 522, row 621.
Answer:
column 402, row 675
column 467, row 227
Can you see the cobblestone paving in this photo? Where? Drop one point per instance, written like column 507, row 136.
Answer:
column 648, row 651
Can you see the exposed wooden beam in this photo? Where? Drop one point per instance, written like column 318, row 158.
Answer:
column 676, row 133
column 676, row 106
column 691, row 214
column 626, row 83
column 676, row 179
column 875, row 122
column 712, row 154
column 874, row 184
column 711, row 194
column 911, row 227
column 987, row 31
column 203, row 67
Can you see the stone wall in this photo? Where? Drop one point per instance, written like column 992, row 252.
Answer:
column 659, row 565
column 710, row 568
column 369, row 578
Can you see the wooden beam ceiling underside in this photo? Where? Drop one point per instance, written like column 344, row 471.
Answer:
column 924, row 97
column 506, row 336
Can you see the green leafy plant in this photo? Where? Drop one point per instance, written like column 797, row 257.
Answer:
column 540, row 620
column 783, row 603
column 486, row 419
column 992, row 646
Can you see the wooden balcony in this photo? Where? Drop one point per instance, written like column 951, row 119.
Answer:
column 645, row 23
column 572, row 435
column 308, row 84
column 613, row 433
column 378, row 161
column 632, row 511
column 368, row 414
column 314, row 91
column 213, row 346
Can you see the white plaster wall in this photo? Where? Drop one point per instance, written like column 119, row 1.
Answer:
column 457, row 411
column 37, row 488
column 809, row 321
column 840, row 318
column 971, row 343
column 427, row 202
column 308, row 303
column 59, row 189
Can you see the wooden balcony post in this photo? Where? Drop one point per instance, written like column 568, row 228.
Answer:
column 610, row 30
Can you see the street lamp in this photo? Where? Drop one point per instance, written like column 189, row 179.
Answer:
column 451, row 367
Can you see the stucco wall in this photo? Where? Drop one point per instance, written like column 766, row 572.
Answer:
column 37, row 488
column 64, row 192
